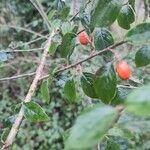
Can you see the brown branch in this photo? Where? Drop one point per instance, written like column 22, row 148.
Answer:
column 15, row 127
column 86, row 59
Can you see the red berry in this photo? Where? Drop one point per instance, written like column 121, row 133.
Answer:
column 123, row 69
column 84, row 38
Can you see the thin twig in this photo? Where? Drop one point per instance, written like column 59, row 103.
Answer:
column 39, row 7
column 86, row 59
column 23, row 29
column 18, row 76
column 15, row 127
column 19, row 50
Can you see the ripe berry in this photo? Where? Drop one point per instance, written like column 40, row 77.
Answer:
column 123, row 69
column 84, row 38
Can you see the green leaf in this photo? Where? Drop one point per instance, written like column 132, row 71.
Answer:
column 139, row 34
column 34, row 112
column 53, row 48
column 112, row 145
column 87, row 83
column 67, row 45
column 105, row 84
column 45, row 91
column 138, row 102
column 5, row 134
column 142, row 57
column 70, row 90
column 102, row 38
column 64, row 12
column 105, row 12
column 126, row 17
column 121, row 96
column 90, row 127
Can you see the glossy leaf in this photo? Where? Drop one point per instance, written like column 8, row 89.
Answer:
column 105, row 84
column 53, row 48
column 67, row 45
column 70, row 90
column 87, row 83
column 142, row 57
column 90, row 127
column 45, row 91
column 34, row 112
column 139, row 34
column 102, row 38
column 126, row 17
column 105, row 12
column 138, row 102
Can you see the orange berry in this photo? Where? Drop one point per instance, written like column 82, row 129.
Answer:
column 84, row 38
column 124, row 70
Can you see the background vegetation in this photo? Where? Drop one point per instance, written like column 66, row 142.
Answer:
column 132, row 132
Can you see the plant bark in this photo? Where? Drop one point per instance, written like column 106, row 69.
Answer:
column 15, row 127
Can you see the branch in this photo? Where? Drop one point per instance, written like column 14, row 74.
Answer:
column 69, row 66
column 39, row 7
column 23, row 29
column 86, row 59
column 23, row 50
column 15, row 127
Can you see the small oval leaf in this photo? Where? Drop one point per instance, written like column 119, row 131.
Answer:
column 102, row 38
column 105, row 84
column 87, row 83
column 126, row 17
column 45, row 91
column 142, row 57
column 67, row 45
column 70, row 90
column 34, row 112
column 105, row 12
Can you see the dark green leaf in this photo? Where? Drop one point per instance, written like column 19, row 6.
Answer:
column 139, row 34
column 87, row 82
column 102, row 38
column 70, row 90
column 45, row 91
column 105, row 84
column 138, row 102
column 142, row 57
column 34, row 112
column 67, row 45
column 112, row 145
column 90, row 127
column 105, row 12
column 126, row 17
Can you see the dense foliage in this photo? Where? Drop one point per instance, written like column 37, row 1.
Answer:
column 96, row 94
